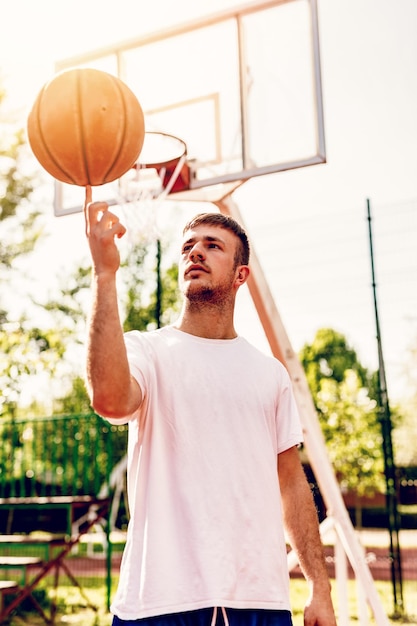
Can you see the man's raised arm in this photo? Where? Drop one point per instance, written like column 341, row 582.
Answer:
column 112, row 389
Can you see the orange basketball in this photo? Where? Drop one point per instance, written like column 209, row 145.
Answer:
column 86, row 127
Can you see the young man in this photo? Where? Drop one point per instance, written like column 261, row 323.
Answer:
column 214, row 475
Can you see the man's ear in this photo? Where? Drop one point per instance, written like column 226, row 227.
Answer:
column 242, row 275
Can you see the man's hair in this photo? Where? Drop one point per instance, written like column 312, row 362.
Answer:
column 228, row 223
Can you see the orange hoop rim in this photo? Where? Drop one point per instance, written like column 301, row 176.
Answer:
column 171, row 161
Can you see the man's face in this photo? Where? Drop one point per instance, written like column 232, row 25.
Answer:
column 207, row 268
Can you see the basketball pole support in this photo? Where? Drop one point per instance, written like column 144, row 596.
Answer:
column 337, row 515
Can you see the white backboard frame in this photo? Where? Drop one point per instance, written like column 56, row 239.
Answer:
column 262, row 114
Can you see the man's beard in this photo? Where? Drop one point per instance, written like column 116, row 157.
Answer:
column 217, row 296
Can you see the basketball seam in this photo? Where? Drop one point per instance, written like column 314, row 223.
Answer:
column 82, row 132
column 112, row 166
column 45, row 145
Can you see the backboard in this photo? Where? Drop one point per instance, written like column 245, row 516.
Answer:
column 241, row 88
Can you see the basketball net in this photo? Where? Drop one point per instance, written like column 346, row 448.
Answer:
column 162, row 166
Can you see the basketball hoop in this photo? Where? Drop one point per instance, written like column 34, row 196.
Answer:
column 161, row 169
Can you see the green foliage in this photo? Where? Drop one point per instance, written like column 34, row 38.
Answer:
column 140, row 286
column 329, row 356
column 405, row 431
column 24, row 353
column 343, row 393
column 26, row 350
column 76, row 401
column 68, row 309
column 68, row 306
column 349, row 421
column 405, row 436
column 18, row 232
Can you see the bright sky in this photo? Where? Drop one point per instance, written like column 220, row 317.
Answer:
column 308, row 226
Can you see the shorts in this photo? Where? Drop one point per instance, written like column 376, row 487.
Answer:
column 213, row 617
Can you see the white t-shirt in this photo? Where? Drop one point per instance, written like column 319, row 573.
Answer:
column 205, row 527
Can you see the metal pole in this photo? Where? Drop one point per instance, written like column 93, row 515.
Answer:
column 394, row 521
column 158, row 303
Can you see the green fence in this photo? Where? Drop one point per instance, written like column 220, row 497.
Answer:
column 42, row 459
column 60, row 455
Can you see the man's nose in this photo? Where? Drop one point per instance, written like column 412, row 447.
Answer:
column 196, row 253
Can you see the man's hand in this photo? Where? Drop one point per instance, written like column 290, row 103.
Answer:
column 101, row 229
column 319, row 611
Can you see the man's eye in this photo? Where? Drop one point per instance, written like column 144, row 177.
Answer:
column 213, row 245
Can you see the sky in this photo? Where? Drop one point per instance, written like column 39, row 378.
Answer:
column 309, row 227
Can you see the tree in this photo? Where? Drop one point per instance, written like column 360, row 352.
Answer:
column 349, row 421
column 26, row 350
column 25, row 354
column 18, row 234
column 342, row 391
column 405, row 433
column 329, row 356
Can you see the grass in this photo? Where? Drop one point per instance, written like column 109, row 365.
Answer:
column 299, row 593
column 72, row 611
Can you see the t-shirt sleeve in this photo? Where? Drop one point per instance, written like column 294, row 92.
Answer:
column 137, row 355
column 289, row 428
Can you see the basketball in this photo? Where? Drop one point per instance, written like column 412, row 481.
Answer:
column 86, row 127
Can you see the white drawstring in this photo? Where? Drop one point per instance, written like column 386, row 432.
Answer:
column 214, row 617
column 226, row 621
